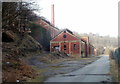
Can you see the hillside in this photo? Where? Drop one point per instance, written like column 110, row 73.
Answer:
column 15, row 47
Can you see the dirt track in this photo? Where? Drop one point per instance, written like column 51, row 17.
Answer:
column 63, row 67
column 97, row 71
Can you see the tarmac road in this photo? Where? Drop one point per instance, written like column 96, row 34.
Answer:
column 94, row 72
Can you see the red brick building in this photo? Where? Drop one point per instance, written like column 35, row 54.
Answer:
column 67, row 42
column 91, row 50
column 87, row 49
column 83, row 48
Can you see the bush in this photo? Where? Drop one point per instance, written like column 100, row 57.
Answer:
column 117, row 56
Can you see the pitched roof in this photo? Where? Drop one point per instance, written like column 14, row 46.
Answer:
column 70, row 32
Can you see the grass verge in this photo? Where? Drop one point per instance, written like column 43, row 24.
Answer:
column 114, row 70
column 40, row 77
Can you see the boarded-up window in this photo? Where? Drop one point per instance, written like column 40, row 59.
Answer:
column 57, row 48
column 65, row 47
column 75, row 46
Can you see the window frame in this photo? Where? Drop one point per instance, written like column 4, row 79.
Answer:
column 75, row 46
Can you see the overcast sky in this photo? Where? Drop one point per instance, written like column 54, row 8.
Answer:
column 83, row 16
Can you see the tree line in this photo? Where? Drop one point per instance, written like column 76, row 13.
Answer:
column 102, row 43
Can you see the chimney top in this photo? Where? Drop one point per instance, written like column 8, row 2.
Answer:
column 52, row 15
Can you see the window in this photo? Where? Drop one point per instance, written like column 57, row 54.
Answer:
column 64, row 36
column 65, row 47
column 75, row 46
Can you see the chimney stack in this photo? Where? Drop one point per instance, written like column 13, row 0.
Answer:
column 52, row 15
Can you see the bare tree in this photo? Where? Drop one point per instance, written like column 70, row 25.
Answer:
column 16, row 16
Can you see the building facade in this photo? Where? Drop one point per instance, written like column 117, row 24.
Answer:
column 66, row 42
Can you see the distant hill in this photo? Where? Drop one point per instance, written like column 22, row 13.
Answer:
column 101, row 42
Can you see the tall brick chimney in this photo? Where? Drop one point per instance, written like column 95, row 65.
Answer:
column 52, row 15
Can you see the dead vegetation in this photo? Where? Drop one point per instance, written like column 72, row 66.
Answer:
column 114, row 67
column 14, row 48
column 39, row 77
column 53, row 57
column 17, row 70
column 114, row 70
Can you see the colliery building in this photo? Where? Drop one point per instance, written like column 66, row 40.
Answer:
column 49, row 27
column 67, row 42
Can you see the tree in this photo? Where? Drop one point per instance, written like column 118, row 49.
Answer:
column 16, row 16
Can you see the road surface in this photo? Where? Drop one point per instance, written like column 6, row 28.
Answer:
column 98, row 71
